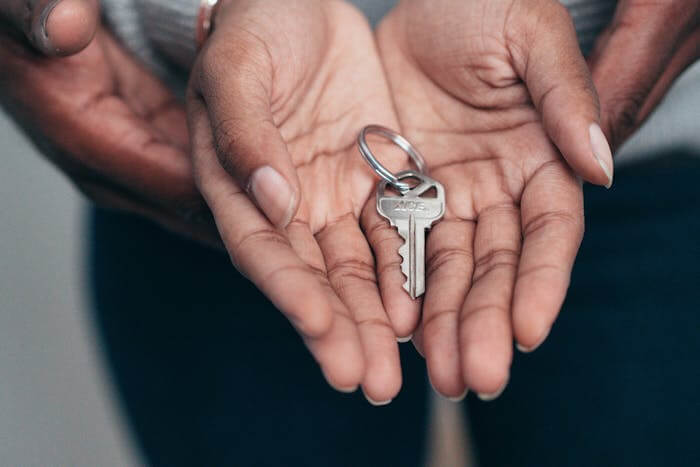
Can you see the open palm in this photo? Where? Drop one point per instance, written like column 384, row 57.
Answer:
column 483, row 97
column 281, row 91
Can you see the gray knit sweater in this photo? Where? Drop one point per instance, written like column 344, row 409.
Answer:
column 162, row 33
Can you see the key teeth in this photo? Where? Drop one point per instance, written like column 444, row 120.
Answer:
column 404, row 253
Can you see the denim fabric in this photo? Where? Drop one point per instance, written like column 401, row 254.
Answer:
column 211, row 374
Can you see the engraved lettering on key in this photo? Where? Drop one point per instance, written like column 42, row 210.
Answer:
column 409, row 206
column 412, row 215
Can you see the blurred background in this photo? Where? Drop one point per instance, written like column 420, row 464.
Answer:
column 56, row 404
column 56, row 401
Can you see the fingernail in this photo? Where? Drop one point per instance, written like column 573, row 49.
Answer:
column 376, row 403
column 274, row 195
column 492, row 396
column 524, row 349
column 403, row 340
column 459, row 398
column 348, row 390
column 601, row 151
column 41, row 35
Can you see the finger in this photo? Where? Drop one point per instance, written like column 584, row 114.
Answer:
column 552, row 220
column 340, row 351
column 259, row 251
column 403, row 312
column 687, row 54
column 449, row 268
column 352, row 274
column 631, row 80
column 54, row 27
column 235, row 85
column 268, row 259
column 550, row 62
column 485, row 335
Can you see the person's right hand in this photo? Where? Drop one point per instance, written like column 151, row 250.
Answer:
column 276, row 101
column 101, row 117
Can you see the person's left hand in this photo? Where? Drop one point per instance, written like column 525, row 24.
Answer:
column 494, row 92
column 275, row 103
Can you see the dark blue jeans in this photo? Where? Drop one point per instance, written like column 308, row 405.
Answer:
column 210, row 373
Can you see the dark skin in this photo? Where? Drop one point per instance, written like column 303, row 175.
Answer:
column 110, row 126
column 121, row 137
column 53, row 27
column 487, row 109
column 286, row 85
column 638, row 58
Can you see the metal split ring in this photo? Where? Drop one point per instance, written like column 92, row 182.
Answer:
column 377, row 166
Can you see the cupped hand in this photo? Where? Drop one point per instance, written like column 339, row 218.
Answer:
column 639, row 56
column 494, row 93
column 276, row 101
column 107, row 123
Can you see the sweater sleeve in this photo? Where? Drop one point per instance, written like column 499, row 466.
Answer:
column 157, row 29
column 159, row 32
column 171, row 26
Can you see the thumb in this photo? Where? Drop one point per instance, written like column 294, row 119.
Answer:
column 234, row 87
column 548, row 58
column 54, row 27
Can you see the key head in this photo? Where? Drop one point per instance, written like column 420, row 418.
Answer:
column 425, row 210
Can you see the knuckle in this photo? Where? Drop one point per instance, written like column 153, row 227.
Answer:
column 622, row 113
column 443, row 256
column 499, row 258
column 488, row 315
column 378, row 323
column 434, row 323
column 352, row 268
column 570, row 221
column 381, row 232
column 544, row 269
column 260, row 237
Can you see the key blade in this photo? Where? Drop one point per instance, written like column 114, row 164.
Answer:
column 408, row 253
column 412, row 251
column 412, row 215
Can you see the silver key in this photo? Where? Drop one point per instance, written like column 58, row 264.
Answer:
column 412, row 215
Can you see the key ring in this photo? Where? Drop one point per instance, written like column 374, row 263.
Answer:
column 377, row 166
